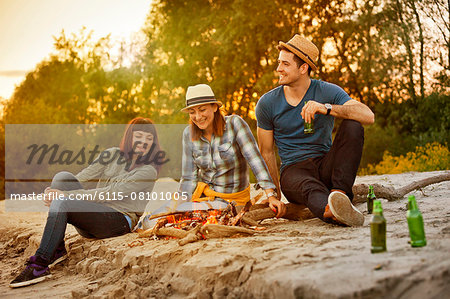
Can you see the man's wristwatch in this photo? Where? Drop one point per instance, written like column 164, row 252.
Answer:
column 328, row 106
column 273, row 193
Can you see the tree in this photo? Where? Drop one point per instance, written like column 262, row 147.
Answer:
column 74, row 86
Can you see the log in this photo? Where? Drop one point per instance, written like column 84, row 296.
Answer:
column 163, row 231
column 390, row 193
column 171, row 232
column 223, row 231
column 293, row 212
column 192, row 236
column 249, row 221
column 235, row 220
column 144, row 233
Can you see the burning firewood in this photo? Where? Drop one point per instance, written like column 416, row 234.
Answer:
column 191, row 226
column 238, row 217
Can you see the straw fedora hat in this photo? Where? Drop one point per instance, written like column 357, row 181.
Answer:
column 303, row 48
column 200, row 94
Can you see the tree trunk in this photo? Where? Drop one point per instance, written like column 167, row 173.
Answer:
column 421, row 41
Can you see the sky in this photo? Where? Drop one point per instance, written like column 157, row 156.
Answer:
column 27, row 28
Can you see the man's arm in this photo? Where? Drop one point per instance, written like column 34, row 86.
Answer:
column 352, row 109
column 266, row 143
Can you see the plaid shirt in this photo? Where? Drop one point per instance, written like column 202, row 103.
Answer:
column 222, row 163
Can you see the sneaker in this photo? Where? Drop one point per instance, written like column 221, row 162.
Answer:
column 59, row 256
column 343, row 211
column 36, row 271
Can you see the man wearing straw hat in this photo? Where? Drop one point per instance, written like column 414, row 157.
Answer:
column 314, row 170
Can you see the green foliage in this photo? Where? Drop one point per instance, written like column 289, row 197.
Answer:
column 378, row 139
column 432, row 119
column 431, row 157
column 399, row 128
column 211, row 42
column 74, row 86
column 53, row 89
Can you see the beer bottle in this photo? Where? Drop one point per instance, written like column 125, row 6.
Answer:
column 415, row 223
column 308, row 127
column 370, row 198
column 378, row 228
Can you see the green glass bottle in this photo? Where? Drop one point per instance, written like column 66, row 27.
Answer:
column 415, row 223
column 370, row 198
column 309, row 127
column 378, row 228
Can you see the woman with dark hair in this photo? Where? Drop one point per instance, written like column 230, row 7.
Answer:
column 121, row 173
column 217, row 150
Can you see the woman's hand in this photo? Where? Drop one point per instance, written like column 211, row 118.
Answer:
column 51, row 194
column 277, row 206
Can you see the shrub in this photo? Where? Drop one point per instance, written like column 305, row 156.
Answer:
column 432, row 156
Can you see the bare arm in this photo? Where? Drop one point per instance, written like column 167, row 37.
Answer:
column 266, row 144
column 350, row 110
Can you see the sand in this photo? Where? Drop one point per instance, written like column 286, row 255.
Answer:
column 307, row 259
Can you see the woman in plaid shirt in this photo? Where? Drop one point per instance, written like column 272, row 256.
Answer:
column 217, row 148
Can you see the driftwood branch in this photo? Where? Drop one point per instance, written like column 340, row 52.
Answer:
column 223, row 231
column 163, row 231
column 390, row 193
column 192, row 236
column 235, row 220
column 261, row 211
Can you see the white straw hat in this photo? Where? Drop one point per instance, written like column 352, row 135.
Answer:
column 199, row 94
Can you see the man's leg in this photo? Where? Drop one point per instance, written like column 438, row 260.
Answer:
column 339, row 166
column 301, row 185
column 338, row 171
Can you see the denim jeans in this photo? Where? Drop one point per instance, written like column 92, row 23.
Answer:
column 91, row 220
column 309, row 182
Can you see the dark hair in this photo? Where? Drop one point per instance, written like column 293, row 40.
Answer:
column 218, row 125
column 126, row 145
column 297, row 59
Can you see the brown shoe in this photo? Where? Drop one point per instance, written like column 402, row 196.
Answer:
column 343, row 211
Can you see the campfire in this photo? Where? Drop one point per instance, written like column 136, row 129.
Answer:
column 216, row 220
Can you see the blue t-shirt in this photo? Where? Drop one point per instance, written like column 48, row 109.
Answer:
column 274, row 113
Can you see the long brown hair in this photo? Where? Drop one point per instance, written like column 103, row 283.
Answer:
column 218, row 125
column 126, row 145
